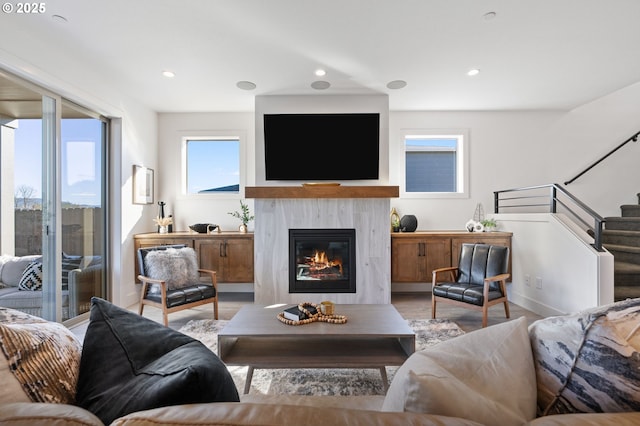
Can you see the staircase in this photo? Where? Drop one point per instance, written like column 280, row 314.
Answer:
column 622, row 239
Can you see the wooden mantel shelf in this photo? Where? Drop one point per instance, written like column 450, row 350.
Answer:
column 322, row 191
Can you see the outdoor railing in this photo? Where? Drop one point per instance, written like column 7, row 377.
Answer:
column 551, row 197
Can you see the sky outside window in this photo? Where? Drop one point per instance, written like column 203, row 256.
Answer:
column 213, row 166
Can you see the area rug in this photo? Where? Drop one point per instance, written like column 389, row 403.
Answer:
column 319, row 381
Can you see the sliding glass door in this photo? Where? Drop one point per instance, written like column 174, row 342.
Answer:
column 54, row 176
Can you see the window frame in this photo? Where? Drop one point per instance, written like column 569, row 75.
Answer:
column 462, row 162
column 213, row 135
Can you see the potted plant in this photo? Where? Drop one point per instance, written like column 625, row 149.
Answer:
column 244, row 215
column 489, row 224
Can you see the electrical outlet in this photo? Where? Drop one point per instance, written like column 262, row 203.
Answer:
column 539, row 282
column 527, row 280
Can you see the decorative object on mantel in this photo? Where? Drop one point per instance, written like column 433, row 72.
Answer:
column 203, row 228
column 245, row 216
column 408, row 223
column 490, row 224
column 395, row 220
column 485, row 225
column 163, row 224
column 161, row 205
column 478, row 215
column 312, row 313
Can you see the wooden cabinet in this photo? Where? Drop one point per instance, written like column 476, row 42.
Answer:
column 230, row 254
column 414, row 255
column 413, row 259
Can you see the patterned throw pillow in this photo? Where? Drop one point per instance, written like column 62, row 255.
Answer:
column 178, row 267
column 589, row 362
column 31, row 278
column 38, row 357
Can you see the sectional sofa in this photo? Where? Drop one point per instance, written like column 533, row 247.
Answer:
column 579, row 369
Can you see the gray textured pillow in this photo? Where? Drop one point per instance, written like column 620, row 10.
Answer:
column 590, row 361
column 178, row 267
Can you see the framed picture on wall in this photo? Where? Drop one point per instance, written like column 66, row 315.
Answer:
column 142, row 185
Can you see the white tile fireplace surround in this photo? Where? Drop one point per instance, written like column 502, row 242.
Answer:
column 275, row 216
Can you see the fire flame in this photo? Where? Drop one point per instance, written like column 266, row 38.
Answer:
column 321, row 261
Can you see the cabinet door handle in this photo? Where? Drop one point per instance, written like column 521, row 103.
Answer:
column 421, row 249
column 221, row 252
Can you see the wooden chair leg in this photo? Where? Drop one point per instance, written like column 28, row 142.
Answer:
column 215, row 308
column 506, row 309
column 433, row 306
column 165, row 316
column 485, row 315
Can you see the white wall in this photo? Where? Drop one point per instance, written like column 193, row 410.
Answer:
column 565, row 273
column 201, row 208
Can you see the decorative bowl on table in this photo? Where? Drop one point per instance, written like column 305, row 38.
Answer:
column 203, row 228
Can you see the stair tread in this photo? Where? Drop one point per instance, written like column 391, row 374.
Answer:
column 620, row 247
column 622, row 219
column 626, row 267
column 621, row 232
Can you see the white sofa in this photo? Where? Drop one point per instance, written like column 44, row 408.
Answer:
column 81, row 279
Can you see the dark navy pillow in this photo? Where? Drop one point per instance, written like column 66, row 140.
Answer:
column 130, row 363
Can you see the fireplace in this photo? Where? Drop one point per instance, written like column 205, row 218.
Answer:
column 322, row 260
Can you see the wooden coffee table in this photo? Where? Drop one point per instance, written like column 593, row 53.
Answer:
column 375, row 336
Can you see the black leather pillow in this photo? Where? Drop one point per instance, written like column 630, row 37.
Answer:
column 130, row 363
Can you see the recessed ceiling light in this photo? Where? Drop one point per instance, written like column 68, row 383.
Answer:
column 472, row 72
column 245, row 85
column 489, row 16
column 396, row 84
column 320, row 85
column 320, row 72
column 168, row 74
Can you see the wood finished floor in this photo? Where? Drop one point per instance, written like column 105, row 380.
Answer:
column 409, row 305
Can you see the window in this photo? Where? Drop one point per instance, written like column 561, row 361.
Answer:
column 435, row 164
column 212, row 165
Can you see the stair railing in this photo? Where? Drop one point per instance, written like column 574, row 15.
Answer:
column 633, row 138
column 553, row 195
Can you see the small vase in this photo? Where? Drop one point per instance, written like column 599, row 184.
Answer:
column 163, row 229
column 242, row 228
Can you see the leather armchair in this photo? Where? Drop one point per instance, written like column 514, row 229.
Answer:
column 478, row 281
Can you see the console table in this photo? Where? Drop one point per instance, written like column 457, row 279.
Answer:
column 230, row 254
column 414, row 255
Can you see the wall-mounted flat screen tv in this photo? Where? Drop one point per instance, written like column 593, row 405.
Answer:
column 322, row 147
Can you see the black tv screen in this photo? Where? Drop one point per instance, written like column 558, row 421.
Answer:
column 322, row 147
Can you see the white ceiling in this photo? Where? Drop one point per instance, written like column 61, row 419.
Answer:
column 535, row 54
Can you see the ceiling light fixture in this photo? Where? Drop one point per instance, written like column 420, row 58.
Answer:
column 320, row 85
column 320, row 72
column 168, row 74
column 489, row 16
column 472, row 72
column 245, row 85
column 396, row 84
